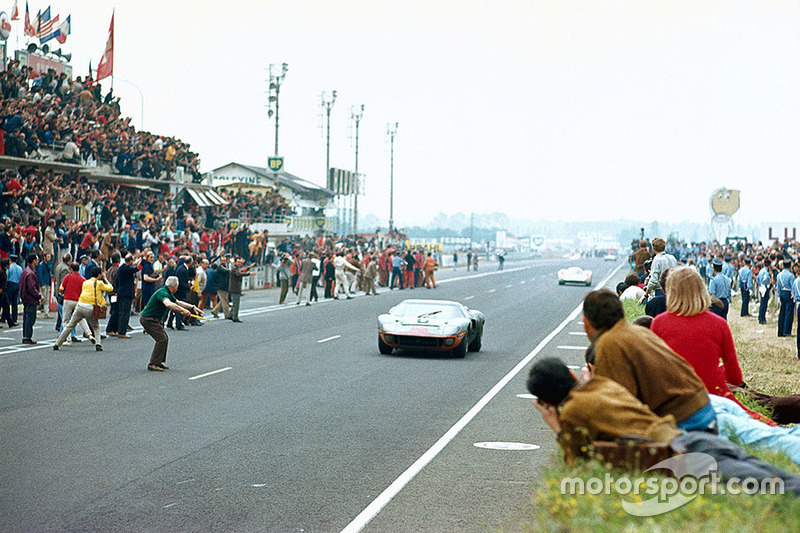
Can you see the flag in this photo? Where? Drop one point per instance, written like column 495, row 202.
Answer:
column 51, row 28
column 45, row 23
column 106, row 66
column 29, row 29
column 64, row 29
column 15, row 11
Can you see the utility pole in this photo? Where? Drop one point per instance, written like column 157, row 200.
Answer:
column 356, row 113
column 391, row 131
column 276, row 74
column 327, row 100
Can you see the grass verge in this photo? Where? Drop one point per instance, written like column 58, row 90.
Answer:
column 769, row 364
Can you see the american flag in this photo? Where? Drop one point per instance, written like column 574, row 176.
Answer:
column 46, row 23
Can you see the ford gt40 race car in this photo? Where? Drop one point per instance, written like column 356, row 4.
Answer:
column 436, row 325
column 575, row 274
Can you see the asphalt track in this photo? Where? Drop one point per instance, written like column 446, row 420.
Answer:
column 290, row 421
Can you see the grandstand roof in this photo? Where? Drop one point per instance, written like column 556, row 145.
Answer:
column 299, row 185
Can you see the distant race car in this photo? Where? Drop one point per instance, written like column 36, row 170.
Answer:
column 611, row 257
column 575, row 274
column 436, row 325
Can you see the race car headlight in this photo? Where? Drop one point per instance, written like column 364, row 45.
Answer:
column 389, row 338
column 448, row 329
column 449, row 342
column 389, row 326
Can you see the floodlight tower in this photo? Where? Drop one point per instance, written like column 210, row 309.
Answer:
column 356, row 113
column 327, row 100
column 276, row 74
column 391, row 131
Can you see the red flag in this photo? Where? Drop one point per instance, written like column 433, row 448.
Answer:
column 15, row 11
column 106, row 66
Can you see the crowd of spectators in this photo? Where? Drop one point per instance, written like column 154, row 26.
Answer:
column 666, row 379
column 54, row 111
column 54, row 117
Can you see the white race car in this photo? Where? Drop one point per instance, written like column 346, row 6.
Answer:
column 575, row 274
column 436, row 325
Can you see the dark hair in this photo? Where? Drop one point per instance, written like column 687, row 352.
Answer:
column 95, row 254
column 75, row 267
column 621, row 286
column 602, row 309
column 115, row 257
column 632, row 279
column 662, row 280
column 644, row 321
column 31, row 258
column 96, row 271
column 550, row 380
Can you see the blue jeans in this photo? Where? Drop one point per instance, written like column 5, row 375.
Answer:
column 733, row 420
column 703, row 419
column 28, row 320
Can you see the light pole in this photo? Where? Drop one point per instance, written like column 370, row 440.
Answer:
column 391, row 131
column 356, row 113
column 276, row 74
column 328, row 99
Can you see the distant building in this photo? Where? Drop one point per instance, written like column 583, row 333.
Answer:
column 312, row 205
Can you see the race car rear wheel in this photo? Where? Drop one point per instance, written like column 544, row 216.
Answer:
column 384, row 348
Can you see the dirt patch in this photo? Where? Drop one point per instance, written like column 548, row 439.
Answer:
column 769, row 363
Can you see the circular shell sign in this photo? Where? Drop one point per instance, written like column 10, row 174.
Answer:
column 5, row 25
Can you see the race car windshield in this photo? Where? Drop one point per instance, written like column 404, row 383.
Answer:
column 445, row 312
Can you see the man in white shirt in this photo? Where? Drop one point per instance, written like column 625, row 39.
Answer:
column 341, row 264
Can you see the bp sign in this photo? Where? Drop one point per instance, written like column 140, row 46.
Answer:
column 275, row 164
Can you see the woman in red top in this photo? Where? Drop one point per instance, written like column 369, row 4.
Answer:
column 699, row 336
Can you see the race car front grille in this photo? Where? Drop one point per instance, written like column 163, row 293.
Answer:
column 418, row 342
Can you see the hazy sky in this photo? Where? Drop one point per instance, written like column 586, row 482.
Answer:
column 579, row 110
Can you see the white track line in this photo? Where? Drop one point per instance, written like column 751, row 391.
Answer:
column 329, row 339
column 375, row 507
column 211, row 373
